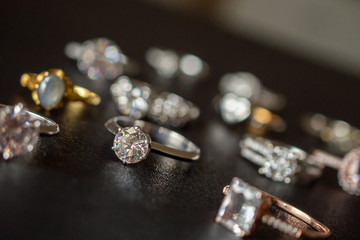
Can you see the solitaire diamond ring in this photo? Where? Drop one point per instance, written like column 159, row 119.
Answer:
column 348, row 168
column 135, row 138
column 52, row 88
column 244, row 206
column 279, row 162
column 138, row 100
column 20, row 129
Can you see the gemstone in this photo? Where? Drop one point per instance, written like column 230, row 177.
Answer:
column 281, row 164
column 243, row 84
column 349, row 172
column 234, row 109
column 51, row 90
column 18, row 131
column 131, row 145
column 131, row 97
column 101, row 58
column 239, row 208
column 171, row 109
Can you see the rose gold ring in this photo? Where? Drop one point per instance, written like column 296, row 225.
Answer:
column 348, row 168
column 244, row 206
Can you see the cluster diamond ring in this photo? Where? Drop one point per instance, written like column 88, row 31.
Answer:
column 52, row 88
column 135, row 138
column 278, row 161
column 244, row 206
column 20, row 129
column 138, row 99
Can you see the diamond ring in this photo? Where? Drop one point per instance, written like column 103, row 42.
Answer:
column 339, row 135
column 348, row 168
column 247, row 85
column 279, row 162
column 138, row 100
column 51, row 88
column 132, row 141
column 20, row 129
column 235, row 109
column 169, row 63
column 244, row 206
column 99, row 58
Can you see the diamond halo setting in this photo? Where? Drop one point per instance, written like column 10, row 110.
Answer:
column 131, row 144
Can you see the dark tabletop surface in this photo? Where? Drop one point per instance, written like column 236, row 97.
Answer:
column 73, row 187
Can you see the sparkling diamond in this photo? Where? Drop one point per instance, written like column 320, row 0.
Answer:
column 51, row 90
column 349, row 172
column 242, row 84
column 239, row 208
column 131, row 145
column 234, row 109
column 171, row 109
column 100, row 59
column 281, row 164
column 18, row 131
column 131, row 97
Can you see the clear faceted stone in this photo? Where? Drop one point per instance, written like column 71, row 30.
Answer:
column 171, row 109
column 131, row 145
column 242, row 84
column 101, row 58
column 51, row 90
column 18, row 131
column 281, row 164
column 234, row 109
column 239, row 208
column 131, row 97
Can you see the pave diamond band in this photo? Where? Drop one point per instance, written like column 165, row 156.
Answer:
column 135, row 138
column 20, row 129
column 138, row 100
column 244, row 205
column 278, row 161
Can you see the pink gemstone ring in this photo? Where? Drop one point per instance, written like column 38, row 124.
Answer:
column 133, row 140
column 20, row 129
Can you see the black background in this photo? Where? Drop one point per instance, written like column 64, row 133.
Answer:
column 73, row 187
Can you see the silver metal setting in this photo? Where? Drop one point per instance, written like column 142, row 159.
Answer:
column 277, row 161
column 151, row 137
column 20, row 129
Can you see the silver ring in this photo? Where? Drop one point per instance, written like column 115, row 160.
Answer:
column 99, row 58
column 339, row 135
column 20, row 129
column 279, row 162
column 139, row 100
column 168, row 63
column 247, row 85
column 348, row 168
column 133, row 143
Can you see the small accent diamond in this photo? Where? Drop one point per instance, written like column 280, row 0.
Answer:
column 131, row 144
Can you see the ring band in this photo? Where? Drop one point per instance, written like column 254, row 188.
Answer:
column 132, row 142
column 278, row 161
column 244, row 205
column 50, row 89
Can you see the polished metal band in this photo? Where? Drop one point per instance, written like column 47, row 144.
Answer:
column 163, row 140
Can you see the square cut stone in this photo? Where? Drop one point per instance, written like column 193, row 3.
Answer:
column 239, row 208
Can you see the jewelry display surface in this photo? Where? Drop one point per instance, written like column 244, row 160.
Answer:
column 72, row 186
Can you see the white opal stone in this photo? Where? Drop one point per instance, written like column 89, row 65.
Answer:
column 50, row 91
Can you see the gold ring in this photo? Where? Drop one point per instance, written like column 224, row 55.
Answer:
column 52, row 88
column 244, row 206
